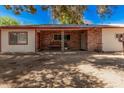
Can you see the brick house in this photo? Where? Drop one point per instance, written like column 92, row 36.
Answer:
column 60, row 37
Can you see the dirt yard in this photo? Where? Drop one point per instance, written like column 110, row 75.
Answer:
column 58, row 70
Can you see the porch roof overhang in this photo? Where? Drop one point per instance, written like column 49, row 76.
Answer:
column 60, row 27
column 46, row 28
column 40, row 27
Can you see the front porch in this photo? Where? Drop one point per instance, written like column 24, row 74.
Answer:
column 61, row 40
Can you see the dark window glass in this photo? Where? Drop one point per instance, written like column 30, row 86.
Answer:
column 58, row 37
column 67, row 37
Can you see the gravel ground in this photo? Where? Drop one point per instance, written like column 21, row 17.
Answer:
column 58, row 70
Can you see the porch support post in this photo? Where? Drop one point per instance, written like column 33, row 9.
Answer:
column 36, row 41
column 62, row 41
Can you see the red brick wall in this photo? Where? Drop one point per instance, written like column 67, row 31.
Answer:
column 94, row 39
column 73, row 43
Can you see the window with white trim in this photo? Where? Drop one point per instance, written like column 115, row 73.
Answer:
column 18, row 38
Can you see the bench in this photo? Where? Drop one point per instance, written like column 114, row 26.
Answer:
column 56, row 45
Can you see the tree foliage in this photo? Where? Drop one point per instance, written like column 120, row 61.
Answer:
column 66, row 14
column 5, row 20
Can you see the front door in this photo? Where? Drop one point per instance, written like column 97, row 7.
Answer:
column 38, row 41
column 84, row 40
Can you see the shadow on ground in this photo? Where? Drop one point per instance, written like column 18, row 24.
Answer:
column 116, row 63
column 45, row 71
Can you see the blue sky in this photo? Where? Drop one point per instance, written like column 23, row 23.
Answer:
column 44, row 17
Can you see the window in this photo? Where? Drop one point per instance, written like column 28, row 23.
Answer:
column 67, row 37
column 58, row 37
column 18, row 38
